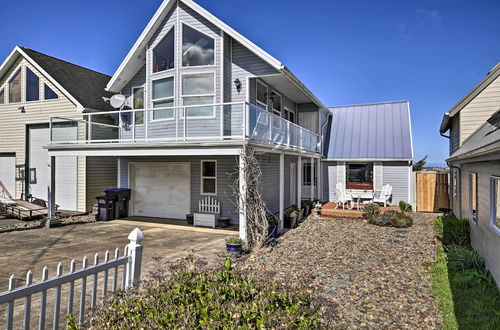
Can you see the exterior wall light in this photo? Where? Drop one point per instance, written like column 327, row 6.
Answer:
column 238, row 85
column 22, row 109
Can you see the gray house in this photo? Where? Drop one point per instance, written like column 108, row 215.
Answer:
column 200, row 92
column 474, row 136
column 369, row 146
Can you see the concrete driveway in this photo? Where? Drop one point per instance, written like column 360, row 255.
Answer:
column 34, row 249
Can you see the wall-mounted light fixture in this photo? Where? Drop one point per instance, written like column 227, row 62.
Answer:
column 22, row 109
column 238, row 85
column 271, row 96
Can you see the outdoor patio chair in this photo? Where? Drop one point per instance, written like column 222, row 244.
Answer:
column 385, row 195
column 342, row 196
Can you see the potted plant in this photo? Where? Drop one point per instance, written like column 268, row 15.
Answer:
column 190, row 218
column 300, row 215
column 306, row 207
column 290, row 216
column 233, row 245
column 273, row 230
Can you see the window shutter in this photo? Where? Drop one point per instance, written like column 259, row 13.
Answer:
column 378, row 180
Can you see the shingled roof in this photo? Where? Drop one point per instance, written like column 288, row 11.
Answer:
column 370, row 131
column 85, row 85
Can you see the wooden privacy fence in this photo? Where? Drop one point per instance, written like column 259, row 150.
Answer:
column 130, row 275
column 432, row 191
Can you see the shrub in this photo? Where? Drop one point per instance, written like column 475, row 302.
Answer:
column 463, row 258
column 234, row 241
column 386, row 219
column 405, row 207
column 193, row 299
column 403, row 220
column 371, row 211
column 452, row 231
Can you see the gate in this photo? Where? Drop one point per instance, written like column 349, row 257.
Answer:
column 432, row 191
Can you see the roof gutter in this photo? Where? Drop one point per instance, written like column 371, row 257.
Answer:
column 445, row 125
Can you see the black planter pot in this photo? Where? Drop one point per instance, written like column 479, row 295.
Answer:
column 273, row 231
column 224, row 222
column 190, row 218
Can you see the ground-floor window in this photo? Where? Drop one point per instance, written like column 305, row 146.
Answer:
column 359, row 176
column 473, row 195
column 209, row 177
column 306, row 170
column 495, row 203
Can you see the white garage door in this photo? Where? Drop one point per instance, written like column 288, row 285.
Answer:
column 8, row 172
column 66, row 170
column 160, row 189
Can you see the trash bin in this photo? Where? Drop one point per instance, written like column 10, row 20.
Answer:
column 105, row 208
column 122, row 196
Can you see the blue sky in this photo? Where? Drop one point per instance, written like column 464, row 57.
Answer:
column 430, row 52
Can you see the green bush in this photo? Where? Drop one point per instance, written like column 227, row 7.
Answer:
column 462, row 258
column 193, row 299
column 371, row 211
column 403, row 220
column 405, row 207
column 452, row 231
column 234, row 241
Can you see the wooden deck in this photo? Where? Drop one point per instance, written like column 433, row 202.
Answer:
column 330, row 210
column 24, row 210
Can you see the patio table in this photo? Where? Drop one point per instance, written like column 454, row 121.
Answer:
column 358, row 196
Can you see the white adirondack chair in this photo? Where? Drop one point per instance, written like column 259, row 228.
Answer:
column 209, row 212
column 342, row 196
column 385, row 195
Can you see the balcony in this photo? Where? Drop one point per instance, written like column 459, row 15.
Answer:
column 208, row 123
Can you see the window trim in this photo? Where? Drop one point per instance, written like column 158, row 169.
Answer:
column 132, row 89
column 346, row 164
column 152, row 48
column 207, row 177
column 304, row 164
column 26, row 68
column 273, row 110
column 2, row 89
column 257, row 102
column 493, row 197
column 287, row 111
column 182, row 23
column 471, row 187
column 20, row 82
column 162, row 99
column 181, row 114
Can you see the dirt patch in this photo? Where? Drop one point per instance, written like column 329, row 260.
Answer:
column 366, row 276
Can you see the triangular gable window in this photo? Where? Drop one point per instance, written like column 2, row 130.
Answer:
column 197, row 48
column 49, row 94
column 32, row 86
column 15, row 88
column 163, row 53
column 2, row 96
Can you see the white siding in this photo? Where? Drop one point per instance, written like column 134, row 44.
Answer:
column 397, row 175
column 101, row 174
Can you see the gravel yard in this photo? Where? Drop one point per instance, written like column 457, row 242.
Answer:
column 364, row 275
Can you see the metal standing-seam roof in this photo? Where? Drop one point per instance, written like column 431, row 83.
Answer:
column 371, row 131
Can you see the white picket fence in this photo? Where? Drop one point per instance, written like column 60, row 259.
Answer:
column 131, row 273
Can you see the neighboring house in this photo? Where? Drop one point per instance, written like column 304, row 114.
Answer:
column 474, row 134
column 200, row 93
column 370, row 145
column 32, row 87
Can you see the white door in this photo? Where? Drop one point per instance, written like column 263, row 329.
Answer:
column 66, row 169
column 161, row 190
column 309, row 120
column 293, row 183
column 8, row 173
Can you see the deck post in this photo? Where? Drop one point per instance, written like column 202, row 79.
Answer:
column 243, row 189
column 299, row 182
column 51, row 189
column 318, row 174
column 282, row 191
column 135, row 254
column 311, row 197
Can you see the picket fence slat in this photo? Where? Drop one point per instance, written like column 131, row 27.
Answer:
column 131, row 262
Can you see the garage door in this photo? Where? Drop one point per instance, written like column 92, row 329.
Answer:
column 66, row 169
column 8, row 172
column 160, row 189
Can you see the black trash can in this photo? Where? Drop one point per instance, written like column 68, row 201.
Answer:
column 122, row 196
column 105, row 208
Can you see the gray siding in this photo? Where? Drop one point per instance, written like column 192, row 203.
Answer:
column 397, row 175
column 455, row 134
column 225, row 166
column 329, row 180
column 270, row 181
column 285, row 101
column 101, row 174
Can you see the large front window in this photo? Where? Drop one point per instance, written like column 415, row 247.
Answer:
column 359, row 176
column 198, row 89
column 138, row 103
column 15, row 88
column 197, row 48
column 163, row 97
column 32, row 86
column 276, row 104
column 261, row 95
column 163, row 53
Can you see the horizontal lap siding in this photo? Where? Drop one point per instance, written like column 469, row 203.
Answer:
column 285, row 101
column 329, row 180
column 455, row 134
column 225, row 166
column 101, row 175
column 396, row 174
column 270, row 181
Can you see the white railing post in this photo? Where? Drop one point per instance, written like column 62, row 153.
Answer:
column 133, row 126
column 184, row 112
column 10, row 308
column 221, row 111
column 27, row 302
column 247, row 120
column 270, row 127
column 288, row 133
column 90, row 128
column 300, row 138
column 135, row 257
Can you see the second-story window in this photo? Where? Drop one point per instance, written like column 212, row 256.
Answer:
column 48, row 93
column 163, row 53
column 138, row 103
column 276, row 104
column 289, row 115
column 198, row 89
column 2, row 96
column 163, row 97
column 32, row 86
column 15, row 88
column 261, row 95
column 197, row 48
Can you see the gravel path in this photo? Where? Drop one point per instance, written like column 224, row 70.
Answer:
column 365, row 276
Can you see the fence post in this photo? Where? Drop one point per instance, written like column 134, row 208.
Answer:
column 135, row 257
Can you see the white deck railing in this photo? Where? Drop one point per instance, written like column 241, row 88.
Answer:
column 130, row 275
column 207, row 123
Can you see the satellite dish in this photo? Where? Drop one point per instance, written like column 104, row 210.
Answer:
column 117, row 101
column 128, row 102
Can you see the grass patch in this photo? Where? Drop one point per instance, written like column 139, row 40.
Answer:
column 466, row 293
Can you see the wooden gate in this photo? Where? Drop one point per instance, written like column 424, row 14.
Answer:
column 432, row 191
